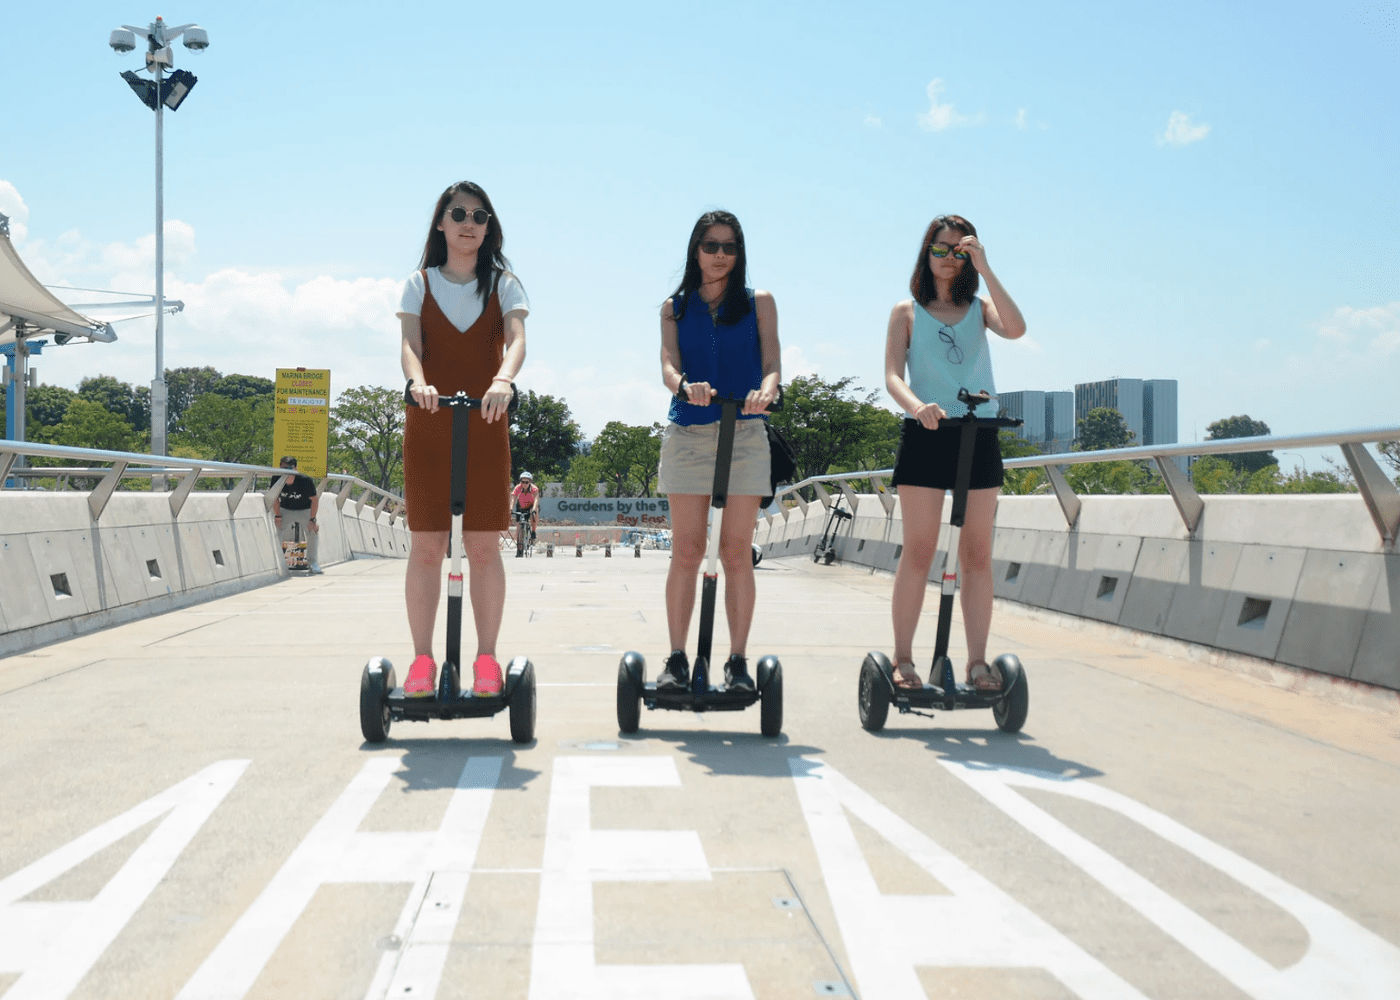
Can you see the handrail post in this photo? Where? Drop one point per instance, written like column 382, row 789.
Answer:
column 822, row 494
column 1382, row 499
column 7, row 461
column 344, row 494
column 1069, row 502
column 274, row 491
column 1188, row 502
column 886, row 501
column 236, row 494
column 850, row 495
column 97, row 499
column 379, row 507
column 181, row 493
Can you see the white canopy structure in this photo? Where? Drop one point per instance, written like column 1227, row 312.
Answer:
column 28, row 309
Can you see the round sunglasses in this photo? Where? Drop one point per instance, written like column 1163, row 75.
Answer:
column 940, row 251
column 459, row 214
column 730, row 247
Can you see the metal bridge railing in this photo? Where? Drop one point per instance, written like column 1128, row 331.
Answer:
column 1376, row 490
column 187, row 472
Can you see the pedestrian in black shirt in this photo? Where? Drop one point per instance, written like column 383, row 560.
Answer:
column 296, row 505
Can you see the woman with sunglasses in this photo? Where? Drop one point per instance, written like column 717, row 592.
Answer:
column 719, row 338
column 936, row 345
column 462, row 317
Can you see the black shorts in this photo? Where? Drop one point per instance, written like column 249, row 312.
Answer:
column 930, row 458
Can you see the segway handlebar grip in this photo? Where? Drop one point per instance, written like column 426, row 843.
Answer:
column 462, row 399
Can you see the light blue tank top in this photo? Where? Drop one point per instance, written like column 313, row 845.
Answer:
column 937, row 367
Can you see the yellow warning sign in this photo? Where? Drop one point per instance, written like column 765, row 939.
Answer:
column 303, row 418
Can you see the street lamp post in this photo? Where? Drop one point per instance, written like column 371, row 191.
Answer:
column 165, row 93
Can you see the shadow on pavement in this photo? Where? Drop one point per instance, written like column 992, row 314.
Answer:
column 437, row 763
column 983, row 746
column 744, row 754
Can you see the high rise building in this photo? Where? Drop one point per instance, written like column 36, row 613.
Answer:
column 1159, row 411
column 1029, row 406
column 1059, row 421
column 1121, row 394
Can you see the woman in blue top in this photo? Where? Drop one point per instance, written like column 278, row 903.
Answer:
column 937, row 344
column 718, row 338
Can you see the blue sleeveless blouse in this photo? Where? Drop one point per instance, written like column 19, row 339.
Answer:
column 939, row 366
column 727, row 357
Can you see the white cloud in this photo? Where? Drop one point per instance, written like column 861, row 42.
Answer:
column 872, row 122
column 1021, row 118
column 1378, row 327
column 941, row 116
column 13, row 205
column 1181, row 131
column 795, row 363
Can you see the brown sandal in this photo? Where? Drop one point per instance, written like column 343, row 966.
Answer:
column 907, row 677
column 984, row 677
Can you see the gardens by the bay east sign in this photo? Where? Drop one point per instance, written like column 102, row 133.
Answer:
column 631, row 512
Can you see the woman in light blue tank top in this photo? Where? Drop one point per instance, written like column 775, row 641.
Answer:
column 936, row 345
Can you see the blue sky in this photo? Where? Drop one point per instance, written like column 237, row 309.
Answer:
column 1189, row 191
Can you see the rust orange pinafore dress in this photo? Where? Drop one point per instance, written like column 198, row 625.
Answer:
column 458, row 361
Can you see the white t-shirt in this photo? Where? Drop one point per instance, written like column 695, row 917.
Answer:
column 460, row 303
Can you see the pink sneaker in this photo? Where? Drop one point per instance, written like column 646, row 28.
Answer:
column 487, row 677
column 422, row 678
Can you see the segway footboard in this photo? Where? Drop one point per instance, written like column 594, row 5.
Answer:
column 453, row 702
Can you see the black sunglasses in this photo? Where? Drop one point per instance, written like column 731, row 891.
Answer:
column 940, row 251
column 955, row 353
column 730, row 247
column 459, row 214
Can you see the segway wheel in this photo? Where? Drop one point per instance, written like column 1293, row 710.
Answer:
column 522, row 707
column 873, row 693
column 829, row 557
column 630, row 684
column 376, row 681
column 770, row 689
column 1010, row 713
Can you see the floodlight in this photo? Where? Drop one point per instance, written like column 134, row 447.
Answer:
column 196, row 38
column 122, row 40
column 174, row 88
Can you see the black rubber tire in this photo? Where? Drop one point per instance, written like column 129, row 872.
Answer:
column 1010, row 713
column 375, row 686
column 522, row 707
column 757, row 555
column 770, row 705
column 629, row 699
column 873, row 695
column 829, row 557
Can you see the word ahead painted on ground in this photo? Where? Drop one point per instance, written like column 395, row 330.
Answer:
column 53, row 945
column 563, row 965
column 976, row 924
column 634, row 512
column 438, row 864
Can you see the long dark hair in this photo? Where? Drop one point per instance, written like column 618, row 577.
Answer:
column 489, row 258
column 735, row 304
column 922, row 285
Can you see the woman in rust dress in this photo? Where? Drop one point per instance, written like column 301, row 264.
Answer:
column 463, row 322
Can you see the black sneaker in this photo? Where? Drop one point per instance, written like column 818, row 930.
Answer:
column 736, row 674
column 676, row 673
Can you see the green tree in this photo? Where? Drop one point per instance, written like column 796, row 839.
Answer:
column 543, row 437
column 1390, row 454
column 1238, row 427
column 245, row 387
column 45, row 405
column 627, row 458
column 182, row 387
column 366, row 435
column 583, row 477
column 1020, row 482
column 220, row 429
column 1101, row 429
column 87, row 424
column 131, row 403
column 836, row 426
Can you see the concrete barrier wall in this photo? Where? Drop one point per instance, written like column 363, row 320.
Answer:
column 62, row 575
column 1301, row 580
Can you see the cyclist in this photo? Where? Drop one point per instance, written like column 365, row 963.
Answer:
column 526, row 497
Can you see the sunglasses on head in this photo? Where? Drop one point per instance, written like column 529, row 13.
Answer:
column 941, row 250
column 730, row 247
column 459, row 214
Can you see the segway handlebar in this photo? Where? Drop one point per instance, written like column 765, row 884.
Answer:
column 462, row 399
column 773, row 407
column 974, row 400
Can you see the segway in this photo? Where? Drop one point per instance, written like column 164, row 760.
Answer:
column 633, row 689
column 877, row 689
column 382, row 701
column 826, row 547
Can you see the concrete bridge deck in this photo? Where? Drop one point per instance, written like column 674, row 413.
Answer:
column 189, row 811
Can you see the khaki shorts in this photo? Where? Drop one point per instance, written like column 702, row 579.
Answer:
column 688, row 459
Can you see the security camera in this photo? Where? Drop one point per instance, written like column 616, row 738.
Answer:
column 122, row 40
column 196, row 38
